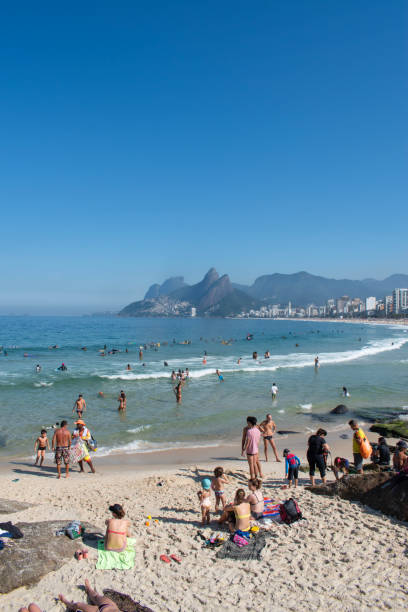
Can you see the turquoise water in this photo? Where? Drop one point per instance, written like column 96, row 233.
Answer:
column 371, row 361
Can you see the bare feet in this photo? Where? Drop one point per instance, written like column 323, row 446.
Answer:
column 70, row 604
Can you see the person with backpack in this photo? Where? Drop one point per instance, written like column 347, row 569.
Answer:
column 292, row 463
column 361, row 446
column 317, row 446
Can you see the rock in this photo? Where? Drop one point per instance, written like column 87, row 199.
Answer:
column 394, row 429
column 340, row 409
column 40, row 551
column 8, row 506
column 344, row 436
column 124, row 602
column 382, row 491
column 283, row 432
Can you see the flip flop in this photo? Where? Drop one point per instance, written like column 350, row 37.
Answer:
column 165, row 559
column 175, row 558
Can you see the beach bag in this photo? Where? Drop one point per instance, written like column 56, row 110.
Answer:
column 73, row 530
column 365, row 448
column 240, row 541
column 289, row 511
column 92, row 444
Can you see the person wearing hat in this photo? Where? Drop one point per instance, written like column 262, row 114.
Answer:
column 83, row 433
column 205, row 500
column 400, row 458
column 117, row 529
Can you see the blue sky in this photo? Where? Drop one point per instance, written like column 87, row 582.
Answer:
column 145, row 140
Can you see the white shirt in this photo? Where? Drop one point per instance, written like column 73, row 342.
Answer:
column 274, row 389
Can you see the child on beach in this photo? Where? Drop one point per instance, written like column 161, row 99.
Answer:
column 41, row 444
column 217, row 486
column 292, row 463
column 205, row 501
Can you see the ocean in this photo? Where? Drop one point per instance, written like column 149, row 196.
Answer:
column 370, row 360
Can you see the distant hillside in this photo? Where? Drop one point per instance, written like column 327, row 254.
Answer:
column 302, row 288
column 217, row 296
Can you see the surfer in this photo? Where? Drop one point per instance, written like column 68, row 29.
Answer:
column 268, row 429
column 122, row 401
column 79, row 406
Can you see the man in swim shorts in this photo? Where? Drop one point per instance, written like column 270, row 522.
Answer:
column 79, row 406
column 61, row 443
column 268, row 429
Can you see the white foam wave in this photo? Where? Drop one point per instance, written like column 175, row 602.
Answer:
column 43, row 384
column 141, row 446
column 292, row 360
column 139, row 429
column 306, row 406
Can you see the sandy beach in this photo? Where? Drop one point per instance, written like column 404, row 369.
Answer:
column 343, row 556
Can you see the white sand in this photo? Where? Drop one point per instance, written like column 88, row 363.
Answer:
column 343, row 557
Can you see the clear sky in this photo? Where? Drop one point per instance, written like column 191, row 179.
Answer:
column 141, row 140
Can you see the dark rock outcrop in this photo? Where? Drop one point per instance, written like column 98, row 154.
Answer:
column 340, row 409
column 396, row 429
column 382, row 491
column 40, row 551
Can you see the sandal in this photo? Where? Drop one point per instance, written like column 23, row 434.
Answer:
column 165, row 559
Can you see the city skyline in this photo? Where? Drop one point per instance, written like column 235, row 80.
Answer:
column 141, row 142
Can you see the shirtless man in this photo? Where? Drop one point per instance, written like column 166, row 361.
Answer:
column 79, row 406
column 122, row 401
column 268, row 429
column 61, row 443
column 177, row 392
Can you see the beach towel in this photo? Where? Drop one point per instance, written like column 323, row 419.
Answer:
column 109, row 559
column 252, row 552
column 271, row 509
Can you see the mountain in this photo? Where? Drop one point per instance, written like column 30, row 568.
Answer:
column 303, row 288
column 169, row 285
column 217, row 296
column 213, row 295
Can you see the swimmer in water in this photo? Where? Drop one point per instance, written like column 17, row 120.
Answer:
column 239, row 361
column 79, row 406
column 122, row 401
column 345, row 392
column 204, row 361
column 177, row 391
column 316, row 363
column 128, row 367
column 173, row 375
column 38, row 368
column 220, row 376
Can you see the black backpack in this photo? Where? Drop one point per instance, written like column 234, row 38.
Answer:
column 290, row 512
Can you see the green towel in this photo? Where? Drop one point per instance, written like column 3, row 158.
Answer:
column 109, row 559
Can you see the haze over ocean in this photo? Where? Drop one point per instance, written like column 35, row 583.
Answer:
column 370, row 360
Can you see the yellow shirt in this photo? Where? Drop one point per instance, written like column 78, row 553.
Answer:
column 357, row 434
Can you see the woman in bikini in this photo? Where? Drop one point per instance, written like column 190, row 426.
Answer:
column 238, row 514
column 99, row 603
column 117, row 529
column 255, row 498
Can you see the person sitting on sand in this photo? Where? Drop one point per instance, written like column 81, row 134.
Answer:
column 117, row 529
column 217, row 486
column 256, row 498
column 381, row 454
column 100, row 603
column 205, row 501
column 400, row 456
column 341, row 464
column 317, row 445
column 238, row 514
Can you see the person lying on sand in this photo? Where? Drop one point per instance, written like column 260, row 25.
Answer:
column 100, row 603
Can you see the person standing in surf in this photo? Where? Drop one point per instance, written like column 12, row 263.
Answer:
column 122, row 401
column 177, row 391
column 268, row 429
column 79, row 406
column 251, row 436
